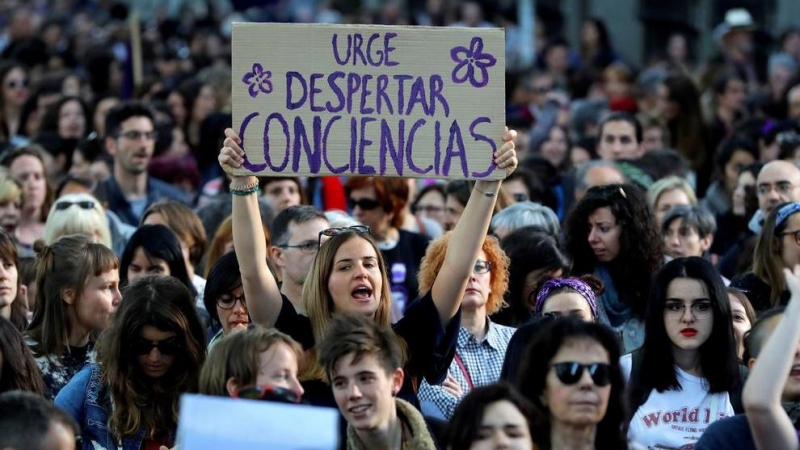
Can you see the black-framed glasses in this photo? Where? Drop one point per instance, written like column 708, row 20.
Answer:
column 796, row 234
column 305, row 247
column 571, row 372
column 482, row 266
column 331, row 232
column 87, row 204
column 271, row 393
column 167, row 347
column 135, row 135
column 229, row 301
column 367, row 204
column 701, row 310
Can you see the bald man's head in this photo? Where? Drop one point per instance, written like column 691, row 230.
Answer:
column 778, row 182
column 596, row 173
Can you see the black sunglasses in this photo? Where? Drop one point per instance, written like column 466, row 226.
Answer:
column 367, row 204
column 571, row 372
column 87, row 204
column 167, row 347
column 331, row 232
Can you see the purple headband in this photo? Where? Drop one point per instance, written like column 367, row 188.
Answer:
column 573, row 283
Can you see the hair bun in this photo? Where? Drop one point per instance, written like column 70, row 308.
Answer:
column 40, row 246
column 594, row 282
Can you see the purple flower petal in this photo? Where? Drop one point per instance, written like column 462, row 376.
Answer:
column 456, row 52
column 480, row 77
column 258, row 69
column 248, row 78
column 267, row 74
column 252, row 90
column 265, row 86
column 460, row 74
column 476, row 47
column 485, row 60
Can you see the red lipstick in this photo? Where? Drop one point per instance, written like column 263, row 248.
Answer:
column 689, row 332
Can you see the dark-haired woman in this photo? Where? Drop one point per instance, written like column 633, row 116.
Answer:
column 491, row 417
column 152, row 353
column 574, row 381
column 153, row 250
column 611, row 233
column 18, row 369
column 686, row 375
column 534, row 257
column 224, row 298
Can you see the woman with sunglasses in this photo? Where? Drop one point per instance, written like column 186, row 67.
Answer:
column 481, row 344
column 555, row 299
column 77, row 214
column 611, row 234
column 379, row 203
column 151, row 354
column 255, row 363
column 777, row 248
column 572, row 376
column 14, row 93
column 77, row 293
column 348, row 274
column 686, row 375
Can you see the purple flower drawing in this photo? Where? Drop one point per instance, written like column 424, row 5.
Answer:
column 472, row 63
column 258, row 80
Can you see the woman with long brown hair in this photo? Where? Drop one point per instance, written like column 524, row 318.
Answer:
column 151, row 354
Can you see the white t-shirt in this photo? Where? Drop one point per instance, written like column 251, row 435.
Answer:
column 677, row 419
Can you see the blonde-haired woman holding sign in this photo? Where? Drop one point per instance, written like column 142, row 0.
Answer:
column 348, row 274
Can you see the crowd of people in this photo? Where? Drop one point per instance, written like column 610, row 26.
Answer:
column 633, row 282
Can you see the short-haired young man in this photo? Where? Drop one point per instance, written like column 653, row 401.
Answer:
column 30, row 422
column 130, row 139
column 295, row 237
column 620, row 137
column 364, row 363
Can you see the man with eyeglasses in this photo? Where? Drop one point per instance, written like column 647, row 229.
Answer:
column 295, row 234
column 130, row 140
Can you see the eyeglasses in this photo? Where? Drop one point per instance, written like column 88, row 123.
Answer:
column 271, row 393
column 796, row 234
column 482, row 266
column 167, row 347
column 135, row 135
column 571, row 372
column 367, row 204
column 305, row 247
column 428, row 209
column 13, row 84
column 701, row 310
column 87, row 204
column 228, row 302
column 331, row 232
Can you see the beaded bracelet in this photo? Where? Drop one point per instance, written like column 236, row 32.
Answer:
column 248, row 190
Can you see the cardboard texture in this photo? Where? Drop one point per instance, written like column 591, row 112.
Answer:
column 421, row 102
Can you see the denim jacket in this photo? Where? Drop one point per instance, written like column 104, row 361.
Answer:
column 89, row 402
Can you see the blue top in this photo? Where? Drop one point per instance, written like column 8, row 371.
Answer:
column 156, row 190
column 88, row 401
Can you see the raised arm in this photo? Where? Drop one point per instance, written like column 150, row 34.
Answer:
column 260, row 288
column 468, row 236
column 772, row 429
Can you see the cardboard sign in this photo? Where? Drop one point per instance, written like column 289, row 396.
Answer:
column 213, row 423
column 422, row 102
